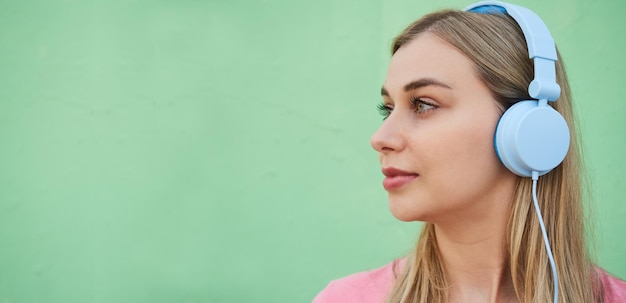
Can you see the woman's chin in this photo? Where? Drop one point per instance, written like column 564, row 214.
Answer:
column 405, row 214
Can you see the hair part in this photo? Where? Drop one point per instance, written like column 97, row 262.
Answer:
column 496, row 46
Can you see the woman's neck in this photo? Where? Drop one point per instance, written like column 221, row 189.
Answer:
column 476, row 268
column 473, row 253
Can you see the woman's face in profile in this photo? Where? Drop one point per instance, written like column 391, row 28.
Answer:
column 436, row 144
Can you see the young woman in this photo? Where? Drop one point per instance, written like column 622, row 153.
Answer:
column 452, row 75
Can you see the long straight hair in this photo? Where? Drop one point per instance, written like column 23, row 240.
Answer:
column 496, row 46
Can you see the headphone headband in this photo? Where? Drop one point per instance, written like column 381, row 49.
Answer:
column 540, row 45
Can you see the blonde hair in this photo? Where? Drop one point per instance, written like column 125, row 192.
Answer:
column 496, row 45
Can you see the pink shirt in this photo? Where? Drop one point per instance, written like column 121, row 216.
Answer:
column 373, row 287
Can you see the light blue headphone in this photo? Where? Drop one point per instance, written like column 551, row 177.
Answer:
column 531, row 137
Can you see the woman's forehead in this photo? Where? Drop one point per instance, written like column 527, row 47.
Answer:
column 427, row 57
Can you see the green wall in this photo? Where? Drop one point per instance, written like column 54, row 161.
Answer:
column 218, row 151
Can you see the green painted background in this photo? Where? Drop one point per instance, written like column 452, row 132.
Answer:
column 218, row 151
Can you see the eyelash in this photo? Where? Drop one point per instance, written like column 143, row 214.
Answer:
column 418, row 102
column 385, row 109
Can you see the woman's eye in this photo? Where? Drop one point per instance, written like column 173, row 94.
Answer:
column 384, row 110
column 421, row 105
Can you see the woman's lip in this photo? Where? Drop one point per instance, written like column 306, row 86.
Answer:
column 395, row 182
column 392, row 172
column 396, row 178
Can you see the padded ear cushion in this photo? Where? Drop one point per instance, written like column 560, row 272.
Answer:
column 531, row 138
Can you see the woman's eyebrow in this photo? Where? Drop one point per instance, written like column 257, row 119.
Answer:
column 384, row 92
column 425, row 82
column 418, row 84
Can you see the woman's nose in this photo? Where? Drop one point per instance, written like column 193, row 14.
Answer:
column 388, row 137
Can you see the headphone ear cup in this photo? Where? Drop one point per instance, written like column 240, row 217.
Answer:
column 531, row 138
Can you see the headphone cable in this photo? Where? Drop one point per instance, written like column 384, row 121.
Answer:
column 535, row 177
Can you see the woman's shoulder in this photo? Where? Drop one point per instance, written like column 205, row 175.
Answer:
column 614, row 288
column 363, row 287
